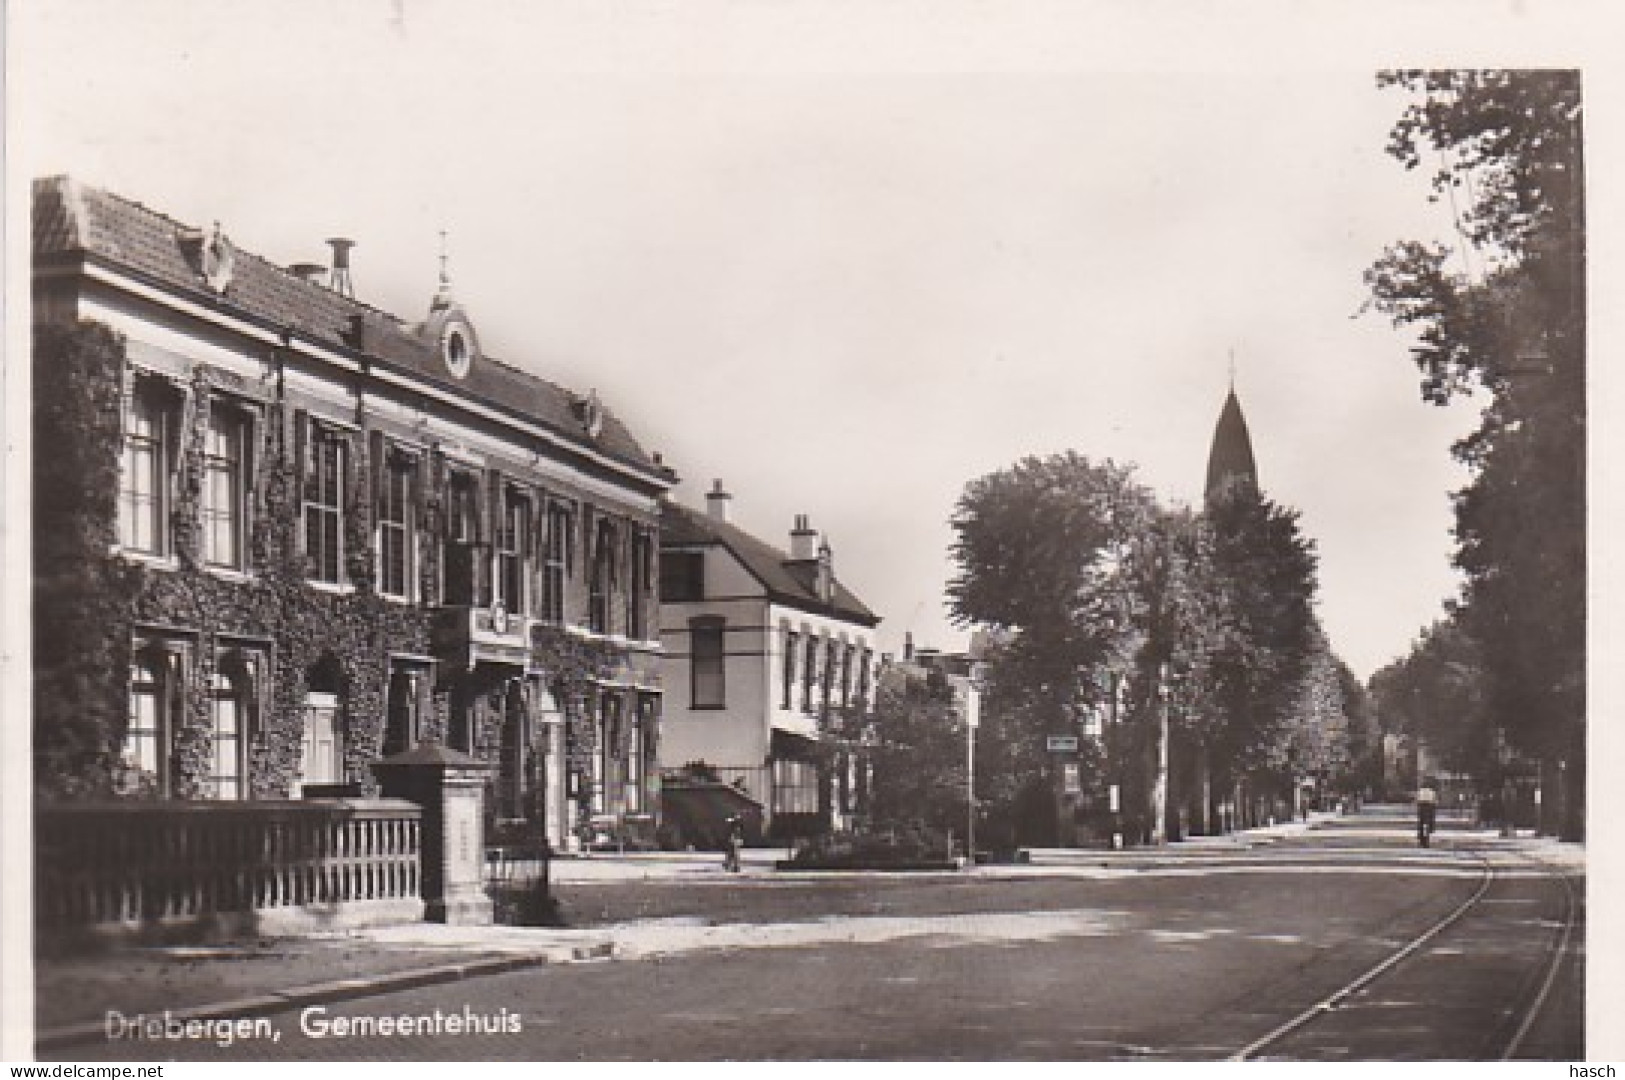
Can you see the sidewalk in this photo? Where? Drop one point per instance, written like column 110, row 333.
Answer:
column 74, row 996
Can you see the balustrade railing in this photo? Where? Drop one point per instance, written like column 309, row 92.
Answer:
column 134, row 863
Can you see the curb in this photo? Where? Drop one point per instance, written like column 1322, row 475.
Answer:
column 338, row 990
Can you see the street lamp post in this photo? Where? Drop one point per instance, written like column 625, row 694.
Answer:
column 1114, row 770
column 973, row 719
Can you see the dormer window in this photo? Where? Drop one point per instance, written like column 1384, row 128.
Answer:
column 456, row 349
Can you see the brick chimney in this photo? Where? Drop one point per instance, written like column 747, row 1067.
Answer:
column 803, row 540
column 716, row 502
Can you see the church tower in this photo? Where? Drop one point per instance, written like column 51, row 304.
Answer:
column 1231, row 459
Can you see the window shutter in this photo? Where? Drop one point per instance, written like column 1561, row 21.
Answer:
column 569, row 527
column 301, row 450
column 377, row 464
column 493, row 506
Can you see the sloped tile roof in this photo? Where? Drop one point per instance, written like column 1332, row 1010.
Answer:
column 786, row 580
column 71, row 218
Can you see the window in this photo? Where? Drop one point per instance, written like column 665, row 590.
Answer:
column 846, row 674
column 787, row 699
column 233, row 708
column 144, row 478
column 682, row 576
column 826, row 674
column 795, row 787
column 464, row 512
column 556, row 563
column 465, row 568
column 405, row 705
column 510, row 551
column 155, row 675
column 604, row 582
column 632, row 797
column 637, row 593
column 224, row 508
column 514, row 754
column 707, row 660
column 325, row 460
column 809, row 674
column 395, row 539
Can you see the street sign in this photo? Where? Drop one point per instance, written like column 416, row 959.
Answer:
column 1061, row 744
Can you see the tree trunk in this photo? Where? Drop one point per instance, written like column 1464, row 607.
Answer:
column 1204, row 786
column 1159, row 783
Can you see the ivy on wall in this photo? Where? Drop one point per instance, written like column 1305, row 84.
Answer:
column 90, row 604
column 79, row 594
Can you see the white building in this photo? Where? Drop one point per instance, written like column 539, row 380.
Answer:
column 769, row 666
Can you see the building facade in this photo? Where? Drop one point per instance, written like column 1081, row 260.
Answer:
column 312, row 534
column 770, row 667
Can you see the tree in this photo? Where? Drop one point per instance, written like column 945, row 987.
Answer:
column 1503, row 318
column 1042, row 549
column 1265, row 577
column 1364, row 735
column 918, row 754
column 1438, row 695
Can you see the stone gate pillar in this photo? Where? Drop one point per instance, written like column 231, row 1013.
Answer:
column 450, row 787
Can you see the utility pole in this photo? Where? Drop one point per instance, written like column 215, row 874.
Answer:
column 973, row 719
column 1114, row 753
column 1159, row 786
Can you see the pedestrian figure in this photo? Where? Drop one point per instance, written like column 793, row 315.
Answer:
column 1427, row 809
column 735, row 840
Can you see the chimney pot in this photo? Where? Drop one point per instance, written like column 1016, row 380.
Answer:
column 339, row 281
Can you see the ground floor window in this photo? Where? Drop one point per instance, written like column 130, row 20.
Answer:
column 234, row 705
column 514, row 764
column 156, row 672
column 795, row 787
column 406, row 705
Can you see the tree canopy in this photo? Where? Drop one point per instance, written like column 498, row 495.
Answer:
column 1500, row 321
column 1107, row 600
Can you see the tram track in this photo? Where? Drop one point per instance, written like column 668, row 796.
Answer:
column 1528, row 1010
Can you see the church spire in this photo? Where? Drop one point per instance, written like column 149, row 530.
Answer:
column 1230, row 461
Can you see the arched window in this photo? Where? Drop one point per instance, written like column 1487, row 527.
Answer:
column 233, row 714
column 156, row 672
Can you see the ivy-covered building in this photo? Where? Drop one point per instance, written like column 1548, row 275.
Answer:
column 280, row 534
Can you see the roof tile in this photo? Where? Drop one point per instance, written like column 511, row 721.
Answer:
column 69, row 217
column 784, row 578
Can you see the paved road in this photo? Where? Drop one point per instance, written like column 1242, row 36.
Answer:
column 1194, row 957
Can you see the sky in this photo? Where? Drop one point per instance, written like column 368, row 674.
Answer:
column 843, row 258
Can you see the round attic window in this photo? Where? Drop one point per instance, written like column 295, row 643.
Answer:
column 456, row 349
